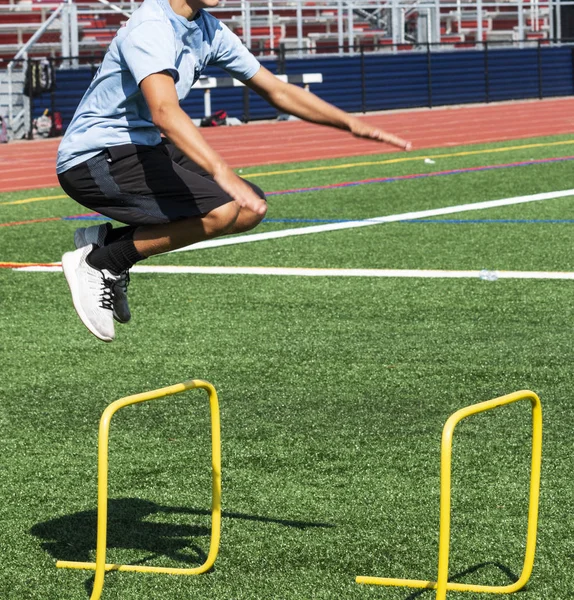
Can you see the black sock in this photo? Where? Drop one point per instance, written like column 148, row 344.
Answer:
column 116, row 257
column 119, row 233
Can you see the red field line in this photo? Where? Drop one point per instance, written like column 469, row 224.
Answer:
column 30, row 164
column 19, row 265
column 12, row 223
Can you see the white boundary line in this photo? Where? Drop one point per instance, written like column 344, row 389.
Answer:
column 303, row 272
column 421, row 214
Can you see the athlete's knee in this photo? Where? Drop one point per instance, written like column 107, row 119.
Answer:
column 220, row 220
column 251, row 220
column 258, row 217
column 247, row 219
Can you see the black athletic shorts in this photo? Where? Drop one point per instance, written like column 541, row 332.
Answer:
column 144, row 185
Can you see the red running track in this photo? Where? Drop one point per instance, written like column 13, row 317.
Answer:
column 27, row 165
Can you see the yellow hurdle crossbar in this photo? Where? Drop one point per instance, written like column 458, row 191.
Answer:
column 442, row 585
column 100, row 566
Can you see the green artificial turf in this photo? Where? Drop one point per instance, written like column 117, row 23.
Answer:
column 333, row 395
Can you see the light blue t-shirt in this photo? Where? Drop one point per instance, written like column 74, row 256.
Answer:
column 113, row 111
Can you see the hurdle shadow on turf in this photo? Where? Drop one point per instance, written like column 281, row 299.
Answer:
column 510, row 574
column 73, row 537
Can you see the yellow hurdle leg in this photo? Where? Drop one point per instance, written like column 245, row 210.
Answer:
column 442, row 585
column 100, row 566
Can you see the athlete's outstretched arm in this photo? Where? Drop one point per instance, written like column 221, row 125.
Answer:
column 301, row 103
column 161, row 97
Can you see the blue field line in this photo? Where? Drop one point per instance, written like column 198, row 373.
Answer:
column 307, row 220
column 441, row 221
column 436, row 221
column 91, row 217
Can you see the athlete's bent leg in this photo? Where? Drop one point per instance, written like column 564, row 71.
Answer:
column 171, row 207
column 156, row 239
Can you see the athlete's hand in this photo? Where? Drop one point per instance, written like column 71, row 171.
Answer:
column 361, row 129
column 240, row 191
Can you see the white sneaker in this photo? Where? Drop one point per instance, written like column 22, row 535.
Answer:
column 96, row 234
column 92, row 292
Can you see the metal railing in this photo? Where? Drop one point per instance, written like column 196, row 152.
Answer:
column 275, row 29
column 297, row 23
column 18, row 108
column 14, row 103
column 365, row 73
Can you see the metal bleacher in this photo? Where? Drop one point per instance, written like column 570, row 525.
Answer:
column 76, row 33
column 311, row 27
column 97, row 23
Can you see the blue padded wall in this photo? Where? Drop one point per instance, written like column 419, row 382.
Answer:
column 380, row 81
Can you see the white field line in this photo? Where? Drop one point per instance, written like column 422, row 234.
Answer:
column 353, row 272
column 421, row 214
column 303, row 272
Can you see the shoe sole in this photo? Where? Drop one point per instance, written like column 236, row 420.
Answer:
column 68, row 268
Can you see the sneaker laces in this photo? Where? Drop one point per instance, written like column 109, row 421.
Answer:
column 107, row 294
column 123, row 282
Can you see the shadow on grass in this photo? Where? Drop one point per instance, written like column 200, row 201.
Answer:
column 73, row 537
column 510, row 574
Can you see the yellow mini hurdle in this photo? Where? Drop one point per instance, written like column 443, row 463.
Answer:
column 100, row 566
column 442, row 585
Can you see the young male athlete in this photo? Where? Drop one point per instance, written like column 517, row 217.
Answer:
column 174, row 190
